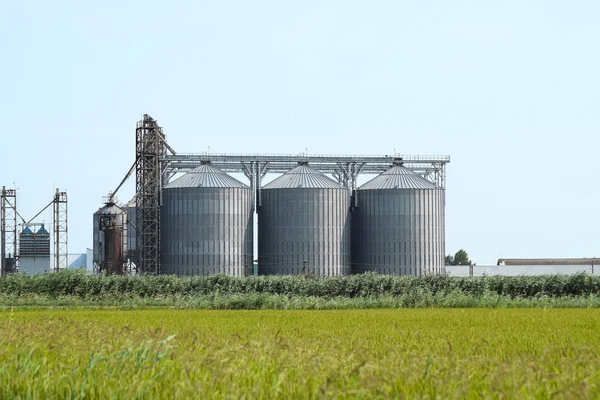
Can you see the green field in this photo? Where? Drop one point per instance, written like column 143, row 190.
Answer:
column 416, row 353
column 75, row 289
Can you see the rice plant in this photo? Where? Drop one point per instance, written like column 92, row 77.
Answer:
column 348, row 354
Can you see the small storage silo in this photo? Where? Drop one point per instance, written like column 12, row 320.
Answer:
column 109, row 239
column 304, row 225
column 206, row 224
column 398, row 225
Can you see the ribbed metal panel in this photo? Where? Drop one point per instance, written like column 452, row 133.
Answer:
column 110, row 209
column 302, row 177
column 398, row 231
column 34, row 244
column 131, row 224
column 207, row 230
column 96, row 237
column 34, row 251
column 108, row 234
column 205, row 176
column 304, row 227
column 398, row 177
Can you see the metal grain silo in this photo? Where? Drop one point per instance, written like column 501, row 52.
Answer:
column 206, row 224
column 109, row 239
column 398, row 225
column 304, row 225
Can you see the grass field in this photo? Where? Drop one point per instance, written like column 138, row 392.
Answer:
column 426, row 353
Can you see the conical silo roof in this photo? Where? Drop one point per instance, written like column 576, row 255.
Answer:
column 26, row 231
column 110, row 209
column 206, row 176
column 302, row 177
column 398, row 177
column 42, row 231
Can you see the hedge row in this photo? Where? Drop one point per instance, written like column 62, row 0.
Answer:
column 77, row 283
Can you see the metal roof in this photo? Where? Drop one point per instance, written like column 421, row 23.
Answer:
column 548, row 261
column 302, row 177
column 131, row 203
column 398, row 177
column 42, row 230
column 205, row 176
column 110, row 209
column 27, row 231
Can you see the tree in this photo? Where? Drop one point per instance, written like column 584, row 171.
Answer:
column 449, row 260
column 461, row 257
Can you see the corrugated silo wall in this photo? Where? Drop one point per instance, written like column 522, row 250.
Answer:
column 113, row 249
column 297, row 225
column 399, row 231
column 206, row 231
column 131, row 233
column 97, row 237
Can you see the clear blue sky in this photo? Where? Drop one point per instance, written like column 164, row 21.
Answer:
column 509, row 89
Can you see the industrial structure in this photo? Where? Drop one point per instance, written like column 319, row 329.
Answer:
column 151, row 148
column 304, row 225
column 398, row 224
column 206, row 224
column 593, row 261
column 114, row 234
column 8, row 231
column 110, row 239
column 201, row 223
column 34, row 250
column 131, row 213
column 30, row 250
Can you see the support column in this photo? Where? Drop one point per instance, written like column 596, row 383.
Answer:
column 150, row 177
column 60, row 231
